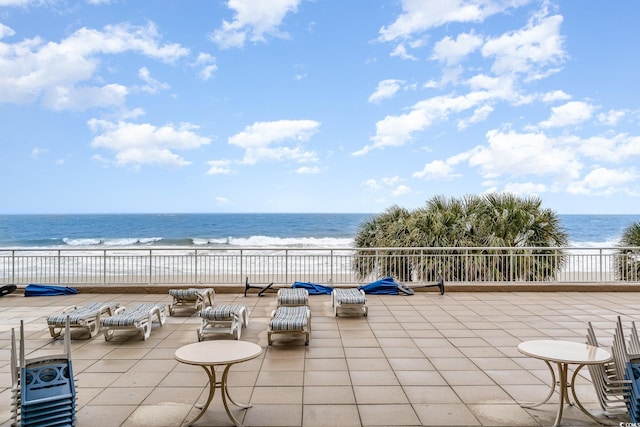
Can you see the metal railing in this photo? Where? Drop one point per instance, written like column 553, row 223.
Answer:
column 218, row 266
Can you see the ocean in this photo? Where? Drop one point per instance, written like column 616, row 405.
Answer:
column 239, row 230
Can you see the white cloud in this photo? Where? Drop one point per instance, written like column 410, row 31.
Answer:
column 395, row 131
column 386, row 89
column 525, row 188
column 451, row 52
column 419, row 16
column 556, row 95
column 207, row 65
column 138, row 144
column 6, row 31
column 401, row 52
column 222, row 201
column 435, row 170
column 401, row 190
column 152, row 85
column 307, row 170
column 17, row 2
column 388, row 184
column 528, row 50
column 602, row 181
column 253, row 21
column 570, row 114
column 480, row 114
column 37, row 152
column 611, row 117
column 514, row 154
column 372, row 184
column 219, row 167
column 610, row 147
column 61, row 73
column 263, row 141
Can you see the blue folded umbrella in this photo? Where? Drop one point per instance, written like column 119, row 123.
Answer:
column 313, row 288
column 33, row 290
column 386, row 286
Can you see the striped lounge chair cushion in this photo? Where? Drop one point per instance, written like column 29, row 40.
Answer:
column 190, row 294
column 82, row 313
column 221, row 312
column 350, row 296
column 293, row 296
column 130, row 317
column 289, row 319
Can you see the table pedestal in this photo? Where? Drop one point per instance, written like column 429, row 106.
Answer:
column 222, row 385
column 563, row 392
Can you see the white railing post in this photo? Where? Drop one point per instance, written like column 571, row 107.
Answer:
column 59, row 268
column 195, row 274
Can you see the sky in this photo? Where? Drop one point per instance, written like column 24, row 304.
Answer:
column 173, row 106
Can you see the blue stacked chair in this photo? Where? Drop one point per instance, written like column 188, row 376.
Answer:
column 43, row 387
column 633, row 373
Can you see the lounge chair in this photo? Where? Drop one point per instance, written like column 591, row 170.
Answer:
column 193, row 298
column 291, row 297
column 349, row 298
column 138, row 317
column 223, row 319
column 87, row 316
column 290, row 320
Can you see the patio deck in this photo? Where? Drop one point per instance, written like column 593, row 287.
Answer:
column 425, row 359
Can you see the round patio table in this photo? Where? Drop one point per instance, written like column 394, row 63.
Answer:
column 564, row 353
column 208, row 355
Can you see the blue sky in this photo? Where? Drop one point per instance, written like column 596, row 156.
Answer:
column 113, row 106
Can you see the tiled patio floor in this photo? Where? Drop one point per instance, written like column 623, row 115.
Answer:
column 425, row 359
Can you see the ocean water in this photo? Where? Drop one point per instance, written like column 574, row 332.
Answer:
column 239, row 230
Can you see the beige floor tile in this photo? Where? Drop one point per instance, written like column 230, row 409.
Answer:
column 325, row 365
column 446, row 414
column 162, row 415
column 411, row 364
column 366, row 378
column 330, row 416
column 276, row 395
column 407, row 378
column 280, row 378
column 273, row 415
column 321, row 378
column 476, row 377
column 503, row 415
column 167, row 395
column 109, row 415
column 431, row 394
column 379, row 395
column 363, row 352
column 388, row 415
column 123, row 395
column 325, row 395
column 325, row 352
column 485, row 394
column 139, row 379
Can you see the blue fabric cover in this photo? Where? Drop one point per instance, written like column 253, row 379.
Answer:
column 386, row 286
column 313, row 288
column 47, row 290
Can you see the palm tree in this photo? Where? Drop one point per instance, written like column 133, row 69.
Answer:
column 628, row 258
column 496, row 222
column 386, row 230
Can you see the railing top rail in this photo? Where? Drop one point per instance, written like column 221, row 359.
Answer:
column 148, row 249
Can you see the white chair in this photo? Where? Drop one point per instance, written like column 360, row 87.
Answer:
column 291, row 297
column 223, row 319
column 349, row 298
column 86, row 316
column 139, row 317
column 294, row 320
column 192, row 298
